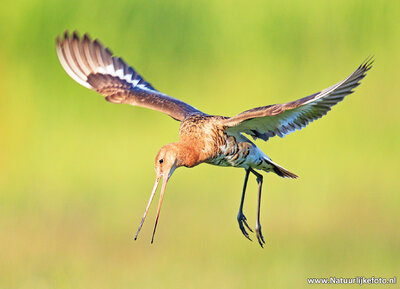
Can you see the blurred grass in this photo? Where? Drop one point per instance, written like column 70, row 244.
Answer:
column 75, row 171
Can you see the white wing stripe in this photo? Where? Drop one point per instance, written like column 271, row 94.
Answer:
column 282, row 119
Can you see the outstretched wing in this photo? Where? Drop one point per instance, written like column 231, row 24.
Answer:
column 92, row 65
column 281, row 119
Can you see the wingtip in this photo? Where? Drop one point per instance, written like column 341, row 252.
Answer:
column 66, row 34
column 367, row 63
column 86, row 37
column 58, row 40
column 75, row 35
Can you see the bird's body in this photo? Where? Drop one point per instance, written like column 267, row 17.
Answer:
column 203, row 138
column 211, row 144
column 208, row 138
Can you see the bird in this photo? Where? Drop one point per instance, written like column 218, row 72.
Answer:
column 203, row 138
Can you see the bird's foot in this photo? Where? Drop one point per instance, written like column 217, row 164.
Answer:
column 259, row 235
column 242, row 223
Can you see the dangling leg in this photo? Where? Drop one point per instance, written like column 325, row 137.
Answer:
column 258, row 225
column 240, row 217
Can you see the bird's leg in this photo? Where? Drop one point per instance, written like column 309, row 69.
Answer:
column 259, row 235
column 240, row 217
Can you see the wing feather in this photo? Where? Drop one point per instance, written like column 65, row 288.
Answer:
column 281, row 119
column 92, row 65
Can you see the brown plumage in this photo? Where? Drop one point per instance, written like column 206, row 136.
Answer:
column 203, row 138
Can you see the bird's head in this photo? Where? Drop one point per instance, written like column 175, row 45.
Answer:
column 169, row 157
column 166, row 161
column 165, row 164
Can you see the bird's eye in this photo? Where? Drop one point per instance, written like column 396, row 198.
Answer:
column 161, row 161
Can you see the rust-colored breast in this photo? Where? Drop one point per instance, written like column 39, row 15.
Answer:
column 203, row 134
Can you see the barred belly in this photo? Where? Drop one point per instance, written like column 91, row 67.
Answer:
column 242, row 154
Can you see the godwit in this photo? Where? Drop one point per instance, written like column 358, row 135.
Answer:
column 203, row 138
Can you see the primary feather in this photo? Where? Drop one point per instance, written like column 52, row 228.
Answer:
column 92, row 65
column 281, row 119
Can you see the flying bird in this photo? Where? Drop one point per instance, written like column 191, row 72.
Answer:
column 203, row 138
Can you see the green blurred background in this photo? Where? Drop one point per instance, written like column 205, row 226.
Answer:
column 76, row 171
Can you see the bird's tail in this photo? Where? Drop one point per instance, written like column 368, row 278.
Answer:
column 280, row 171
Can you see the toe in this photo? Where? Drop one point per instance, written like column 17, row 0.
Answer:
column 242, row 224
column 260, row 237
column 244, row 232
column 247, row 225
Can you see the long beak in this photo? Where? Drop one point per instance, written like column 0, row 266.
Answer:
column 164, row 185
column 148, row 204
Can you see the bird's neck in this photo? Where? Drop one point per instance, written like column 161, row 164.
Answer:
column 188, row 155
